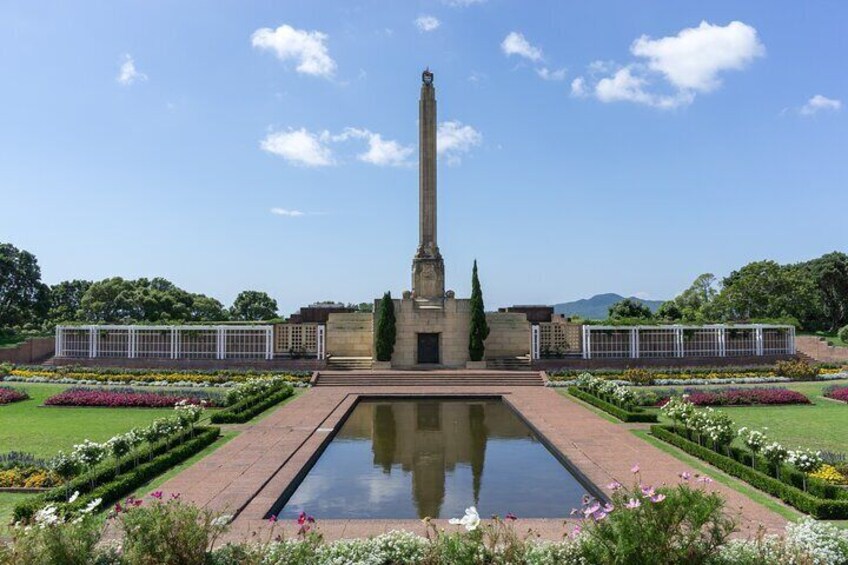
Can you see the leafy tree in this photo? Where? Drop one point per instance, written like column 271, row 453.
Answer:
column 670, row 311
column 760, row 289
column 66, row 300
column 24, row 299
column 386, row 329
column 830, row 276
column 630, row 309
column 207, row 309
column 253, row 305
column 479, row 327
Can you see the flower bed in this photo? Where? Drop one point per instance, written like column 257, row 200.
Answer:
column 745, row 397
column 143, row 377
column 9, row 395
column 25, row 471
column 837, row 393
column 128, row 397
column 252, row 398
column 610, row 397
column 821, row 500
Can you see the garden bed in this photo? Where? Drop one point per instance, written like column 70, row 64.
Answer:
column 253, row 405
column 820, row 500
column 128, row 397
column 9, row 395
column 756, row 396
column 633, row 415
column 839, row 393
column 135, row 470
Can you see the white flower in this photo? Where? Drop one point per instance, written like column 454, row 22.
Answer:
column 91, row 506
column 471, row 519
column 73, row 497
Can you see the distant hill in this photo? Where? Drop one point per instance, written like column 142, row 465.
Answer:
column 597, row 307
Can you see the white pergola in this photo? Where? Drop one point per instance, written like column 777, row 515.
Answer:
column 661, row 342
column 166, row 342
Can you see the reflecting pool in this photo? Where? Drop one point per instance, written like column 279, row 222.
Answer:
column 411, row 458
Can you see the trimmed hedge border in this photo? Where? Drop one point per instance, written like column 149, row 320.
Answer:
column 620, row 413
column 251, row 406
column 102, row 482
column 807, row 502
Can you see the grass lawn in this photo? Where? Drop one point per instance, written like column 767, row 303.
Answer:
column 28, row 426
column 831, row 338
column 820, row 426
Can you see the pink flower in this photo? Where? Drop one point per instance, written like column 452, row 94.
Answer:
column 576, row 531
column 634, row 469
column 175, row 496
column 273, row 519
column 614, row 486
column 648, row 491
column 685, row 475
column 633, row 503
column 599, row 515
column 157, row 495
column 705, row 480
column 608, row 507
column 657, row 498
column 596, row 507
column 302, row 518
column 512, row 517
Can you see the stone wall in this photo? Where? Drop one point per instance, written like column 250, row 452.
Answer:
column 451, row 322
column 509, row 335
column 350, row 334
column 34, row 350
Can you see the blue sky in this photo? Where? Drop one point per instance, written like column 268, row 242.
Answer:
column 585, row 146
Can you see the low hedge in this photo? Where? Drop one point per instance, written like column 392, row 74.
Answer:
column 251, row 406
column 821, row 501
column 620, row 413
column 101, row 482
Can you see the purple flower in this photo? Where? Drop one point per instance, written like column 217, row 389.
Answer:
column 633, row 503
column 634, row 469
column 706, row 480
column 157, row 495
column 614, row 486
column 648, row 491
column 511, row 517
column 657, row 498
column 685, row 475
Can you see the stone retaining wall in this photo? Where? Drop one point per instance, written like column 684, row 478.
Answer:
column 33, row 350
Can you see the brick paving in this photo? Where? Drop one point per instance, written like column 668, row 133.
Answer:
column 247, row 475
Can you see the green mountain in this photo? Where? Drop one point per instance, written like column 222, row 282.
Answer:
column 597, row 307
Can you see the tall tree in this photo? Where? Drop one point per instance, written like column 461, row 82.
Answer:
column 830, row 275
column 384, row 341
column 24, row 299
column 630, row 309
column 66, row 301
column 253, row 306
column 479, row 330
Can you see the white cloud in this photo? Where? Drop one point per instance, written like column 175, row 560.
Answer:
column 578, row 88
column 427, row 23
column 381, row 152
column 453, row 139
column 287, row 213
column 547, row 74
column 307, row 48
column 693, row 59
column 128, row 74
column 819, row 102
column 515, row 44
column 688, row 63
column 625, row 86
column 299, row 147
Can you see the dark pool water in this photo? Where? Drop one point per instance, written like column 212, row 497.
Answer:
column 413, row 458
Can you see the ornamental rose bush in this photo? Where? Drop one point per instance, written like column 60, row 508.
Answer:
column 745, row 396
column 128, row 397
column 9, row 395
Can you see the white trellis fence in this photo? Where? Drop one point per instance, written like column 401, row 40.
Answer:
column 660, row 342
column 166, row 342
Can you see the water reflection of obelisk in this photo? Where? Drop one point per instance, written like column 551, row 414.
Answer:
column 436, row 437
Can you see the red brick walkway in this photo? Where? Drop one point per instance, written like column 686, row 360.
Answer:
column 247, row 475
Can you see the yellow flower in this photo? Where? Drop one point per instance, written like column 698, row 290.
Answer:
column 830, row 474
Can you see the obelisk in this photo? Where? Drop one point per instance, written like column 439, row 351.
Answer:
column 428, row 268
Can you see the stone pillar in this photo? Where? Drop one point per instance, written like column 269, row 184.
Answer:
column 428, row 268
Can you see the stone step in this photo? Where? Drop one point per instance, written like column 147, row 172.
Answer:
column 435, row 379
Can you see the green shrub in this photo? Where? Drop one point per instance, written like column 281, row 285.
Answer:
column 384, row 342
column 251, row 406
column 796, row 369
column 136, row 470
column 620, row 413
column 639, row 376
column 821, row 501
column 843, row 334
column 169, row 531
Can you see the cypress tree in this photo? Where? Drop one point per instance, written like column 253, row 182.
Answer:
column 479, row 327
column 386, row 330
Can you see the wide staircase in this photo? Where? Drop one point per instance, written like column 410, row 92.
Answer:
column 429, row 378
column 349, row 363
column 509, row 363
